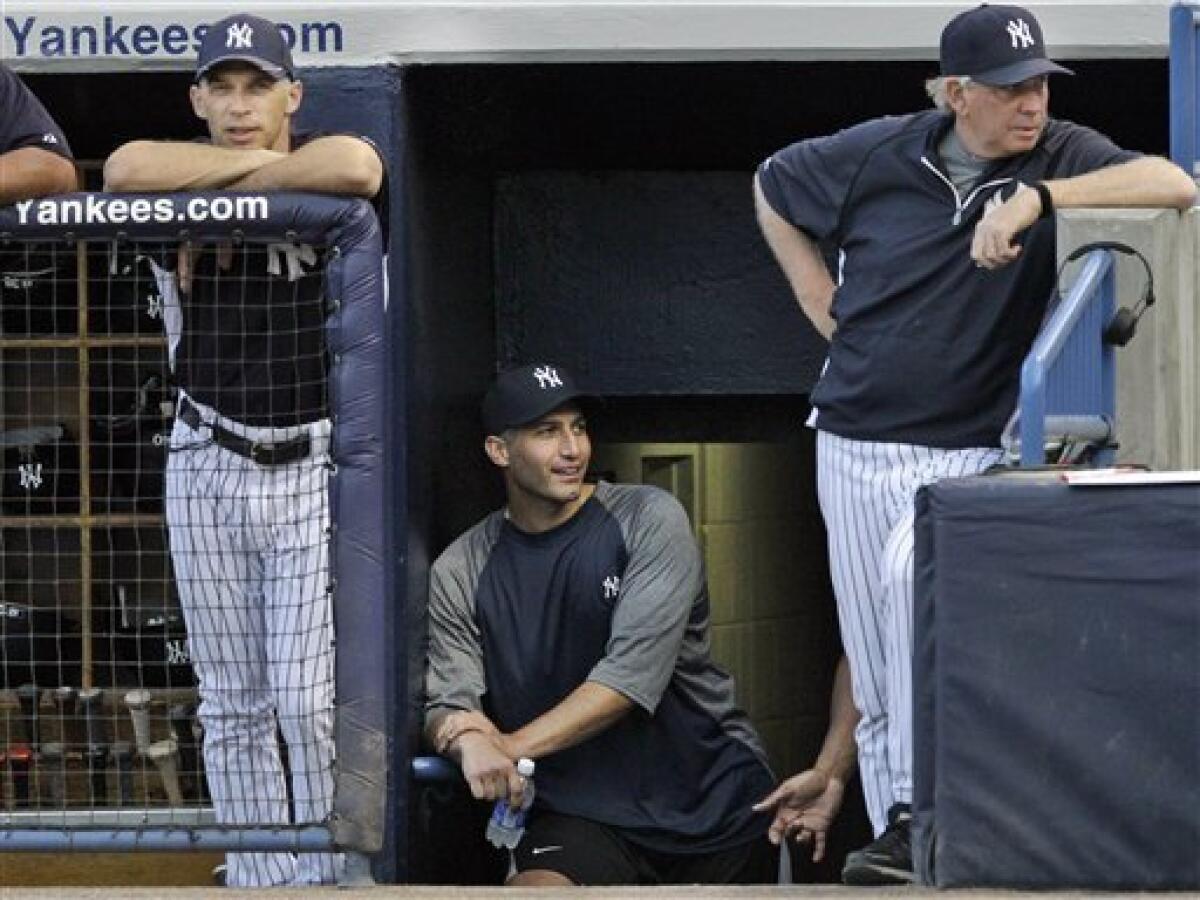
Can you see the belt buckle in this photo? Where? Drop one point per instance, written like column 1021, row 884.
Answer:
column 263, row 454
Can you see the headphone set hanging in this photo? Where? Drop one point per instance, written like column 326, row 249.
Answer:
column 1123, row 325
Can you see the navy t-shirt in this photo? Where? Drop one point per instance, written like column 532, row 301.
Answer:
column 252, row 342
column 614, row 596
column 928, row 346
column 24, row 122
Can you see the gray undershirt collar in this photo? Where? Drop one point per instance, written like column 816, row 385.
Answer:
column 963, row 167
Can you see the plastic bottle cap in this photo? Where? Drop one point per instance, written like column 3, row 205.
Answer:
column 525, row 767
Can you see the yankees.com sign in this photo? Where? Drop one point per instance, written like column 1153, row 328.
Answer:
column 114, row 41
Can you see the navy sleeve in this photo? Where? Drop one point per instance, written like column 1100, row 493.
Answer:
column 24, row 122
column 807, row 182
column 1077, row 150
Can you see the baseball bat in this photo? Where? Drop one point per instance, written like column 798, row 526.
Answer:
column 138, row 702
column 53, row 765
column 5, row 793
column 91, row 703
column 19, row 757
column 122, row 762
column 189, row 757
column 64, row 696
column 27, row 696
column 165, row 755
column 201, row 770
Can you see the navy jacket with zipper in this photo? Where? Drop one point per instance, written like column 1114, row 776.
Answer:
column 928, row 346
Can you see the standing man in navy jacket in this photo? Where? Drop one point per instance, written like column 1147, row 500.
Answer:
column 942, row 226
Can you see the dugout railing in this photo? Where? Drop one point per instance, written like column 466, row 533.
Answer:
column 1185, row 85
column 73, row 776
column 1067, row 402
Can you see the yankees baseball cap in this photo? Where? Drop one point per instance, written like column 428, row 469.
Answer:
column 996, row 45
column 249, row 39
column 523, row 395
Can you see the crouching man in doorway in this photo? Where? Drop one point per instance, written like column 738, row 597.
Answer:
column 572, row 627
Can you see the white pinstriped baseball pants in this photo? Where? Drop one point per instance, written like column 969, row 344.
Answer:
column 866, row 490
column 249, row 545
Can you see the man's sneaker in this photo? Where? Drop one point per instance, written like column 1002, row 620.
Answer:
column 888, row 859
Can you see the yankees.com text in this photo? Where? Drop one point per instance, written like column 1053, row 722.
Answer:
column 94, row 209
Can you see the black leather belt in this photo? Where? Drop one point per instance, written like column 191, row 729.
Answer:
column 278, row 454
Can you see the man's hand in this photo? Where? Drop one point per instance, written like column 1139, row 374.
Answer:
column 189, row 253
column 993, row 246
column 488, row 769
column 805, row 806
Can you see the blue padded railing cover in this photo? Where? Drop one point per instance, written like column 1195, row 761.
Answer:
column 1185, row 85
column 355, row 341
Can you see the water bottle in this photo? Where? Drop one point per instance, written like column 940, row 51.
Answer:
column 507, row 824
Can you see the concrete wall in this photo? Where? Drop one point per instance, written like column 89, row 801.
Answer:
column 1158, row 372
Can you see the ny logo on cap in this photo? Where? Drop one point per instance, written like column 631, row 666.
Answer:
column 547, row 377
column 240, row 36
column 1019, row 33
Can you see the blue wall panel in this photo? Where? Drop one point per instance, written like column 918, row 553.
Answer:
column 647, row 283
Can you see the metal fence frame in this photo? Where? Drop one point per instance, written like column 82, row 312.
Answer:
column 1068, row 379
column 355, row 336
column 1185, row 85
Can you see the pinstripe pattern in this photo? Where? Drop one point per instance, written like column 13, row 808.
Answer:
column 250, row 550
column 866, row 490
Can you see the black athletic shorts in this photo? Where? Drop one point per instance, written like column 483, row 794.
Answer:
column 590, row 853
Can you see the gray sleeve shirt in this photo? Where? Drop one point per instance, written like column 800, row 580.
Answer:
column 616, row 596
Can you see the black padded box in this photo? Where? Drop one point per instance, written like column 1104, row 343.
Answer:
column 1057, row 685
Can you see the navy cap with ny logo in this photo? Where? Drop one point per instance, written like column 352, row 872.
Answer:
column 525, row 394
column 249, row 39
column 996, row 45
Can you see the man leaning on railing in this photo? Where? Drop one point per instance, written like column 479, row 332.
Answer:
column 943, row 226
column 248, row 470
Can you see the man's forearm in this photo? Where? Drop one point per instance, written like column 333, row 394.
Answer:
column 33, row 172
column 433, row 728
column 1150, row 181
column 838, row 751
column 801, row 262
column 341, row 165
column 444, row 727
column 181, row 166
column 584, row 713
